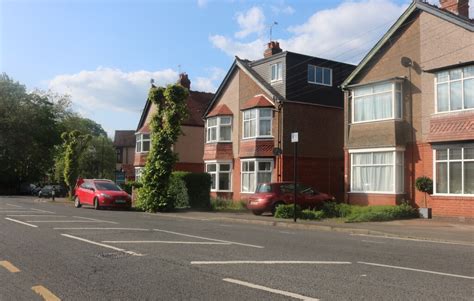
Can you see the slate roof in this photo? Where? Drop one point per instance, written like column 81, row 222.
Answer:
column 124, row 138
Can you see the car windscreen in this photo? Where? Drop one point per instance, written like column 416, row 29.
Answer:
column 264, row 188
column 107, row 186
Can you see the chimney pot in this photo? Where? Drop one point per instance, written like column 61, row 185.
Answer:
column 273, row 47
column 458, row 7
column 184, row 80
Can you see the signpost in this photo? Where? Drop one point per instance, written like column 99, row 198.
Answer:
column 294, row 140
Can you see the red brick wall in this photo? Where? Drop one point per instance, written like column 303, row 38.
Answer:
column 374, row 199
column 191, row 167
column 218, row 151
column 256, row 148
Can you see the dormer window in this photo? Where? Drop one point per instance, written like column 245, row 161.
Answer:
column 277, row 72
column 455, row 89
column 143, row 143
column 319, row 75
column 219, row 129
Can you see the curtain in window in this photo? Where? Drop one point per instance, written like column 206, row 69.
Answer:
column 469, row 177
column 469, row 93
column 443, row 97
column 442, row 177
column 375, row 172
column 456, row 95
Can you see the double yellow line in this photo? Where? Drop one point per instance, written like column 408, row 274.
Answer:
column 39, row 289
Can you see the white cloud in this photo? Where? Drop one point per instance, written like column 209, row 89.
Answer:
column 282, row 8
column 344, row 33
column 202, row 3
column 209, row 84
column 252, row 21
column 110, row 88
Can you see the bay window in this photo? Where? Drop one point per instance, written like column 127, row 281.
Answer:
column 455, row 89
column 254, row 172
column 143, row 143
column 219, row 129
column 454, row 170
column 377, row 102
column 377, row 171
column 220, row 175
column 257, row 123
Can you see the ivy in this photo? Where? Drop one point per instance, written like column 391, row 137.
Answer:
column 171, row 110
column 74, row 144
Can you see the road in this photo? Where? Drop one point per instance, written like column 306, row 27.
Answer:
column 54, row 251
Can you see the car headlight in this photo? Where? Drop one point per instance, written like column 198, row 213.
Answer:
column 105, row 195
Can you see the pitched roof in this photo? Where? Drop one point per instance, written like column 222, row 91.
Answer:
column 414, row 6
column 245, row 67
column 197, row 103
column 220, row 110
column 124, row 138
column 257, row 101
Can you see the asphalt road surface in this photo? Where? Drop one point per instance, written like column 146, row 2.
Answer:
column 55, row 251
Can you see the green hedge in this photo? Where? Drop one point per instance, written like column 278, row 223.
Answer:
column 128, row 186
column 312, row 214
column 287, row 211
column 222, row 204
column 381, row 213
column 198, row 186
column 333, row 209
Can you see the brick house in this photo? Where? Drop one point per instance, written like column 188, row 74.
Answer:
column 124, row 144
column 189, row 146
column 409, row 112
column 257, row 107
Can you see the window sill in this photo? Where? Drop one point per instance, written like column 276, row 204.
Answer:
column 453, row 112
column 258, row 138
column 374, row 192
column 376, row 120
column 226, row 191
column 276, row 81
column 320, row 84
column 215, row 142
column 453, row 195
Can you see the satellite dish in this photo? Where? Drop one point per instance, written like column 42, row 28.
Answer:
column 406, row 62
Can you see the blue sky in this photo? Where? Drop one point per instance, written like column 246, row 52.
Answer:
column 103, row 53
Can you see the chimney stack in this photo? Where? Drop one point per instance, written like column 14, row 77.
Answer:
column 458, row 7
column 184, row 80
column 273, row 48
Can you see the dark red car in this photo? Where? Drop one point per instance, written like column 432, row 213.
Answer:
column 101, row 193
column 268, row 196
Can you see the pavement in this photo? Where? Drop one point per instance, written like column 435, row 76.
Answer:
column 452, row 230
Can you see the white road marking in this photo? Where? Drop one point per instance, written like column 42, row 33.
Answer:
column 14, row 205
column 97, row 228
column 97, row 220
column 34, row 215
column 270, row 262
column 39, row 210
column 415, row 239
column 102, row 245
column 17, row 211
column 415, row 270
column 372, row 241
column 20, row 222
column 286, row 232
column 69, row 221
column 271, row 290
column 211, row 239
column 165, row 242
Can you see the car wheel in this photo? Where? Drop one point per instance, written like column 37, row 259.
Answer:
column 275, row 206
column 77, row 202
column 96, row 204
column 257, row 212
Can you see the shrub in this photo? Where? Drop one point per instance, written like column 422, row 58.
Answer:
column 287, row 211
column 222, row 204
column 381, row 213
column 199, row 188
column 311, row 214
column 128, row 186
column 333, row 209
column 177, row 191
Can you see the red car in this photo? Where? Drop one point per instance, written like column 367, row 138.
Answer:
column 268, row 196
column 100, row 193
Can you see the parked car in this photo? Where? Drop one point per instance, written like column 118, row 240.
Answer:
column 101, row 193
column 47, row 191
column 268, row 196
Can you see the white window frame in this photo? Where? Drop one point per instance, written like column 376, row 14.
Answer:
column 255, row 172
column 138, row 173
column 278, row 72
column 449, row 81
column 394, row 102
column 218, row 127
column 395, row 165
column 447, row 161
column 140, row 141
column 257, row 119
column 218, row 172
column 322, row 77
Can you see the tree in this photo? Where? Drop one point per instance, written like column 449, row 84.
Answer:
column 74, row 144
column 29, row 132
column 424, row 184
column 165, row 130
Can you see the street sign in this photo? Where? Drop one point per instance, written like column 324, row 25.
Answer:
column 294, row 137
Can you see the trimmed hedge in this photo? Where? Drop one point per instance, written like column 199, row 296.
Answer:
column 311, row 214
column 333, row 209
column 198, row 186
column 287, row 211
column 381, row 213
column 177, row 191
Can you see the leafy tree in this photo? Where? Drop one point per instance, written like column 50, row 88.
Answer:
column 98, row 159
column 74, row 145
column 165, row 130
column 29, row 132
column 424, row 184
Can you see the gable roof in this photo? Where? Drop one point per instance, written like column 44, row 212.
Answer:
column 220, row 110
column 197, row 103
column 245, row 67
column 414, row 6
column 124, row 138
